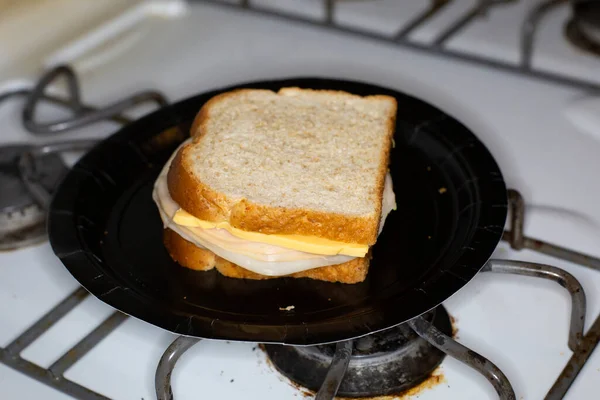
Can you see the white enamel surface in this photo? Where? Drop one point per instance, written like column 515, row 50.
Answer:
column 584, row 113
column 519, row 323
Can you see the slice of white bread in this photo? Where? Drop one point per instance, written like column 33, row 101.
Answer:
column 300, row 161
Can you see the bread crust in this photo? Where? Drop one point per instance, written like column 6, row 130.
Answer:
column 190, row 256
column 204, row 203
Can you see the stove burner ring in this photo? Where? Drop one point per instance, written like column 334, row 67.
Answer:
column 583, row 30
column 384, row 363
column 22, row 220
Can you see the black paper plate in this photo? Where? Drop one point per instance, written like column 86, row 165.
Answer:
column 451, row 200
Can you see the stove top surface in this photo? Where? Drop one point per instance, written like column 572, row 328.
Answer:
column 521, row 324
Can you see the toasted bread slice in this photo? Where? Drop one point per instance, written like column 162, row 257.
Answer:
column 190, row 256
column 300, row 161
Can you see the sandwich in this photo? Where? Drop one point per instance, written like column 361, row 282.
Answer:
column 293, row 183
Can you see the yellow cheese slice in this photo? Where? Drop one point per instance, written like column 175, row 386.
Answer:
column 308, row 244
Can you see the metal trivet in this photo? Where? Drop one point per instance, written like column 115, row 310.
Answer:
column 581, row 345
column 38, row 169
column 438, row 45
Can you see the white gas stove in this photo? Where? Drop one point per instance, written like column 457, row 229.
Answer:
column 544, row 133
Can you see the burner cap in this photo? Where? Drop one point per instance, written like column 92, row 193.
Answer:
column 583, row 30
column 22, row 221
column 384, row 363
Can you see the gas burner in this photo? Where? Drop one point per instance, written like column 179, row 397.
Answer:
column 22, row 220
column 583, row 30
column 22, row 216
column 384, row 363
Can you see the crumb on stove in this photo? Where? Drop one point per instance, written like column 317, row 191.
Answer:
column 329, row 299
column 184, row 297
column 442, row 190
column 429, row 237
column 428, row 168
column 288, row 308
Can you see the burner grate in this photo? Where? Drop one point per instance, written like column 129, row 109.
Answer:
column 53, row 376
column 383, row 363
column 39, row 194
column 30, row 173
column 437, row 47
column 22, row 220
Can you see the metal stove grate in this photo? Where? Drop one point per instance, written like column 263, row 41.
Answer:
column 581, row 344
column 523, row 67
column 82, row 115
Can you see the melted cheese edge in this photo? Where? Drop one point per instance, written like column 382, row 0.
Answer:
column 308, row 244
column 273, row 255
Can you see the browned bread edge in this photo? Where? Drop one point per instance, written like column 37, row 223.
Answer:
column 186, row 253
column 201, row 201
column 190, row 256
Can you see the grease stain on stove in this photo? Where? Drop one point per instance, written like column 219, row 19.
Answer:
column 303, row 391
column 436, row 378
column 453, row 322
